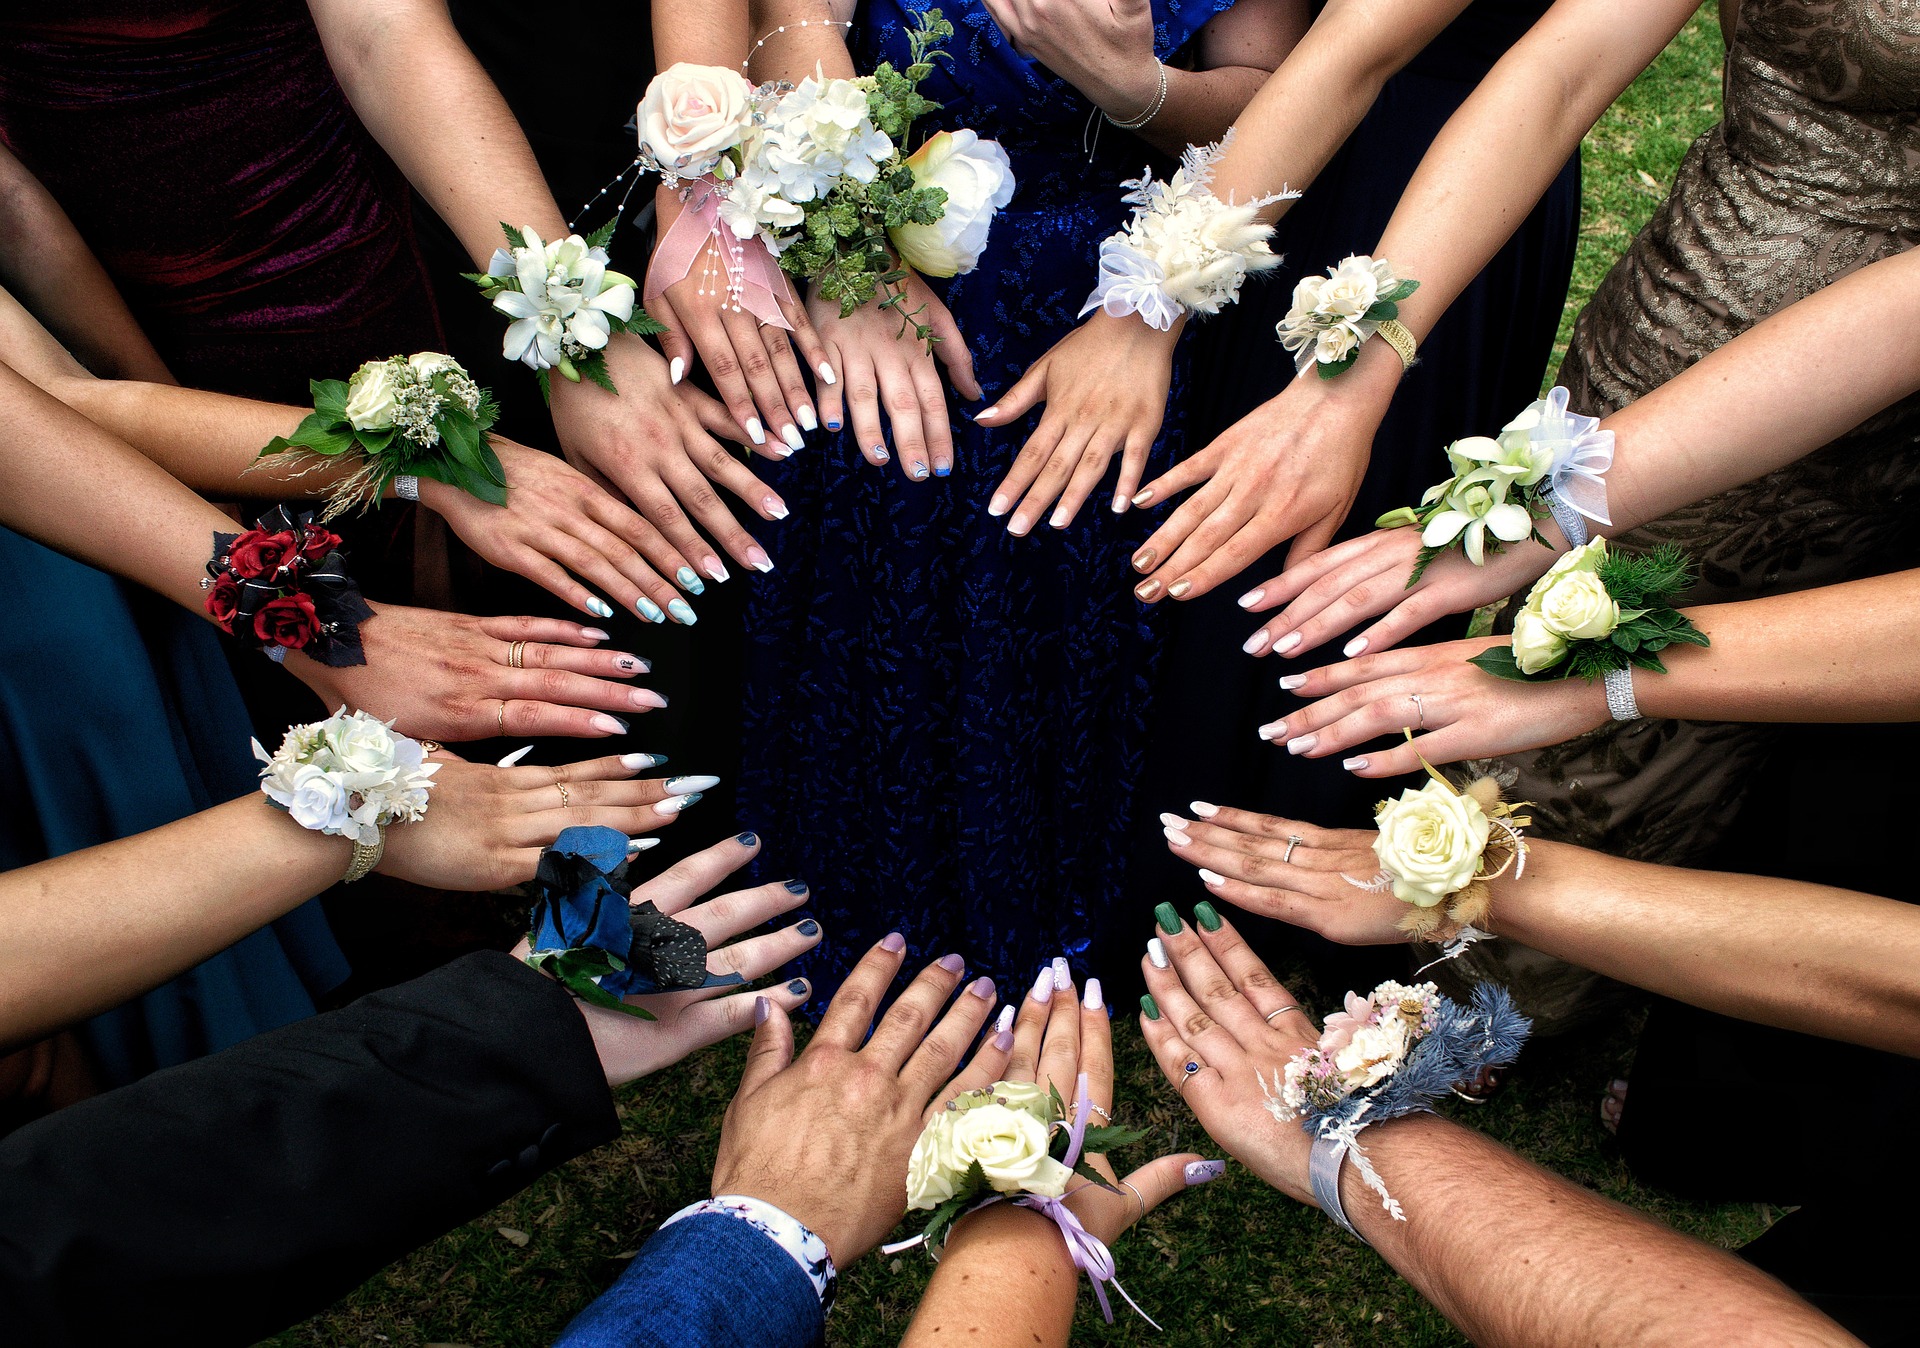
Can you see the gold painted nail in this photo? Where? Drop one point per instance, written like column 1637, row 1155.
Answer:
column 1144, row 559
column 1146, row 589
column 1179, row 588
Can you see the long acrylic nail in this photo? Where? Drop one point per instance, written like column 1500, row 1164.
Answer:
column 1043, row 985
column 1256, row 643
column 776, row 508
column 1149, row 1006
column 826, row 372
column 1178, row 590
column 1301, row 744
column 983, row 988
column 998, row 506
column 1178, row 837
column 1208, row 877
column 791, row 434
column 762, row 1008
column 1172, row 820
column 680, row 786
column 715, row 568
column 635, row 845
column 683, row 612
column 893, row 941
column 1146, row 590
column 649, row 610
column 1207, row 916
column 639, row 762
column 1062, row 974
column 676, row 369
column 808, row 421
column 755, row 432
column 759, row 561
column 609, row 725
column 648, row 699
column 1156, row 953
column 1289, row 682
column 1005, row 1022
column 690, row 580
column 1273, row 730
column 515, row 756
column 632, row 664
column 1250, row 598
column 1093, row 1001
column 1354, row 647
column 1353, row 764
column 1143, row 496
column 1203, row 1172
column 595, row 634
column 1144, row 559
column 599, row 607
column 953, row 964
column 675, row 804
column 1168, row 919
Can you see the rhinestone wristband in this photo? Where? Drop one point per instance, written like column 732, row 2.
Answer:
column 1152, row 109
column 406, row 486
column 1572, row 523
column 1620, row 700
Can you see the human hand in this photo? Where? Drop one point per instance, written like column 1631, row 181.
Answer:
column 1105, row 50
column 556, row 520
column 825, row 1137
column 880, row 366
column 447, row 676
column 752, row 364
column 653, row 444
column 1366, row 577
column 1465, row 711
column 1105, row 387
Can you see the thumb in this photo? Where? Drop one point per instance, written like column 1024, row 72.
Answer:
column 772, row 1048
column 1030, row 391
column 1161, row 1179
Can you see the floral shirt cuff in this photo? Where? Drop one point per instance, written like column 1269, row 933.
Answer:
column 807, row 1249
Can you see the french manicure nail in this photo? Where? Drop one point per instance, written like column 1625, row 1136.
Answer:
column 893, row 941
column 1207, row 916
column 1251, row 597
column 1156, row 952
column 715, row 568
column 776, row 507
column 1286, row 643
column 762, row 1008
column 983, row 988
column 675, row 804
column 784, row 452
column 1003, row 1039
column 1144, row 559
column 1354, row 647
column 1062, row 974
column 755, row 432
column 997, row 506
column 1017, row 526
column 1141, row 498
column 826, row 372
column 759, row 561
column 676, row 369
column 1093, row 1001
column 515, row 756
column 646, row 697
column 1353, row 764
column 1256, row 643
column 747, row 839
column 791, row 434
column 1203, row 1172
column 1178, row 590
column 985, row 412
column 683, row 611
column 690, row 580
column 610, row 725
column 798, row 987
column 599, row 607
column 680, row 786
column 1146, row 589
column 641, row 844
column 1043, row 985
column 1168, row 919
column 649, row 610
column 1289, row 682
column 1208, row 877
column 794, row 886
column 953, row 964
column 1150, row 1007
column 632, row 664
column 1005, row 1022
column 808, row 421
column 1118, row 505
column 595, row 634
column 1301, row 744
column 641, row 762
column 1177, row 837
column 1060, row 518
column 920, row 472
column 1203, row 809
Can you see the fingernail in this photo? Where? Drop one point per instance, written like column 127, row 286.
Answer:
column 1151, row 1007
column 1144, row 558
column 798, row 987
column 1354, row 647
column 826, row 372
column 791, row 434
column 1168, row 919
column 1251, row 597
column 1353, row 764
column 595, row 634
column 1060, row 518
column 1157, row 953
column 1146, row 589
column 610, row 725
column 676, row 369
column 1003, row 1039
column 879, row 454
column 675, row 804
column 941, row 468
column 1093, row 1001
column 1119, row 504
column 1018, row 526
column 1286, row 643
column 1203, row 809
column 1141, row 498
column 690, row 580
column 1256, row 643
column 776, row 507
column 1203, row 1172
column 680, row 786
column 1207, row 916
column 1178, row 589
column 762, row 1008
column 794, row 886
column 1176, row 837
column 746, row 839
column 808, row 421
column 515, row 756
column 920, row 472
column 986, row 412
column 683, row 612
column 641, row 762
column 715, row 568
column 997, row 506
column 983, row 988
column 1043, row 985
column 1005, row 1022
column 1211, row 877
column 1172, row 820
column 1062, row 974
column 754, row 431
column 649, row 610
column 953, row 964
column 1289, row 682
column 646, row 697
column 1273, row 730
column 599, row 607
column 759, row 561
column 640, row 844
column 1302, row 744
column 833, row 425
column 893, row 941
column 632, row 664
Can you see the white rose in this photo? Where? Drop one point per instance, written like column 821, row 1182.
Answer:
column 932, row 1176
column 1029, row 1097
column 1430, row 842
column 361, row 743
column 1374, row 1052
column 1535, row 645
column 978, row 180
column 1335, row 344
column 1585, row 558
column 1351, row 290
column 426, row 364
column 1578, row 607
column 692, row 114
column 372, row 394
column 1008, row 1144
column 316, row 800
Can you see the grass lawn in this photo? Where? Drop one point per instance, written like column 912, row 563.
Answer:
column 1232, row 1262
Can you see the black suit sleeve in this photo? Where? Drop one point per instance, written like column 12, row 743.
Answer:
column 224, row 1199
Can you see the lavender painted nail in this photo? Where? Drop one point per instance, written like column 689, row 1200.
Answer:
column 1203, row 1172
column 953, row 964
column 1043, row 986
column 893, row 941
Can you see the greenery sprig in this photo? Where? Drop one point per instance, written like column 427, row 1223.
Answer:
column 1642, row 585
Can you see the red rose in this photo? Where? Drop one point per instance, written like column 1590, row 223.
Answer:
column 288, row 621
column 223, row 599
column 259, row 555
column 316, row 542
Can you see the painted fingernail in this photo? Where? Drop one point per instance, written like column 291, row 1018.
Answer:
column 1354, row 647
column 755, row 432
column 1208, row 877
column 798, row 987
column 826, row 372
column 1168, row 919
column 1250, row 598
column 647, row 698
column 681, row 786
column 1043, row 985
column 1003, row 1039
column 690, row 580
column 1286, row 643
column 1060, row 518
column 1005, row 1022
column 683, row 612
column 599, row 607
column 983, row 988
column 1273, row 730
column 776, row 507
column 893, row 941
column 1353, row 764
column 759, row 561
column 1150, row 1007
column 1207, row 916
column 632, row 664
column 1156, row 953
column 879, row 454
column 640, row 844
column 953, row 964
column 1203, row 809
column 998, row 506
column 1093, row 1001
column 515, row 756
column 1289, row 682
column 1142, row 497
column 715, row 568
column 1018, row 526
column 921, row 472
column 1203, row 1172
column 1062, row 974
column 1172, row 820
column 1147, row 589
column 676, row 370
column 1118, row 505
column 941, row 468
column 1256, row 643
column 649, row 610
column 794, row 886
column 808, row 421
column 747, row 839
column 1144, row 559
column 1302, row 743
column 762, row 1008
column 833, row 425
column 791, row 434
column 595, row 634
column 1178, row 590
column 641, row 762
column 609, row 725
column 1177, row 837
column 675, row 804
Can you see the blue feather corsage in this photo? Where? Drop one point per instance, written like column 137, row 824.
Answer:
column 1389, row 1054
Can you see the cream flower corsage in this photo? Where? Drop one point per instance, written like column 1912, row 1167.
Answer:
column 1438, row 846
column 350, row 776
column 1333, row 315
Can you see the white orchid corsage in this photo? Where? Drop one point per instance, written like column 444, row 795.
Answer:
column 565, row 303
column 350, row 776
column 1185, row 250
column 1332, row 315
column 1545, row 461
column 1597, row 612
column 1438, row 846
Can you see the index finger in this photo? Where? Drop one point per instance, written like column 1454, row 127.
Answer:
column 852, row 1009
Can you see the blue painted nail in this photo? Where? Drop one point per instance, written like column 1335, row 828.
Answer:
column 649, row 610
column 942, row 469
column 746, row 839
column 679, row 609
column 809, row 928
column 798, row 987
column 599, row 607
column 689, row 581
column 833, row 425
column 796, row 886
column 919, row 472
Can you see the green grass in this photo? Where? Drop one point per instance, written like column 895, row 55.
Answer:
column 1232, row 1262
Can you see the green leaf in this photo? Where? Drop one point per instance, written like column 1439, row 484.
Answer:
column 1400, row 290
column 515, row 239
column 377, row 442
column 603, row 236
column 643, row 324
column 490, row 463
column 546, row 387
column 1329, row 370
column 1499, row 662
column 1111, row 1138
column 462, row 440
column 329, row 399
column 1381, row 311
column 594, row 371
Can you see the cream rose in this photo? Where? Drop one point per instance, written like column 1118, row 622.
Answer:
column 315, row 799
column 1535, row 645
column 1335, row 344
column 1351, row 290
column 691, row 115
column 1578, row 607
column 1010, row 1147
column 978, row 180
column 932, row 1176
column 1373, row 1052
column 372, row 394
column 1029, row 1097
column 1430, row 842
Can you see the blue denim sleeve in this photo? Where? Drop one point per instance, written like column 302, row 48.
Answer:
column 709, row 1281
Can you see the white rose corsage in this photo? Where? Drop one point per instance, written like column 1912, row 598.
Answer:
column 1386, row 1055
column 1546, row 460
column 416, row 416
column 1438, row 846
column 351, row 776
column 1185, row 250
column 1332, row 315
column 1014, row 1140
column 1597, row 613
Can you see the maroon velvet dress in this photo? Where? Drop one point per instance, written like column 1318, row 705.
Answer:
column 207, row 154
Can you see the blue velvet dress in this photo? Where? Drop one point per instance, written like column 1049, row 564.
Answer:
column 944, row 722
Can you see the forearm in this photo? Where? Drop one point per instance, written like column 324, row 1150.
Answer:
column 704, row 35
column 87, row 931
column 821, row 45
column 1004, row 1278
column 1804, row 957
column 1514, row 1255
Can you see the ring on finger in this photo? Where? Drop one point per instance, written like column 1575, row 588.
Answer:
column 1188, row 1071
column 1128, row 1184
column 1419, row 708
column 1293, row 841
column 566, row 798
column 1283, row 1011
column 517, row 655
column 501, row 717
column 1101, row 1112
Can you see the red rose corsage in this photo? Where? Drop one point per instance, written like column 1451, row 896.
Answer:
column 284, row 585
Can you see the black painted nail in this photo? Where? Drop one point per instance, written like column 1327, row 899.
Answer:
column 798, row 987
column 747, row 839
column 796, row 886
column 809, row 928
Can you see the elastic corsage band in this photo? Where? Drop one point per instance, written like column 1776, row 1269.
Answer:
column 284, row 585
column 406, row 417
column 351, row 776
column 587, row 938
column 1333, row 315
column 1185, row 250
column 782, row 1228
column 1387, row 1055
column 565, row 302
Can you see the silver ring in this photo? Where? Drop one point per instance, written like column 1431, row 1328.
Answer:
column 1101, row 1112
column 1283, row 1011
column 1187, row 1073
column 1420, row 708
column 1137, row 1194
column 1293, row 841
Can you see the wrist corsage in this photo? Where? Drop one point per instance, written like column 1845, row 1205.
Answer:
column 565, row 302
column 1438, row 847
column 413, row 416
column 814, row 181
column 587, row 938
column 284, row 584
column 1333, row 314
column 1545, row 461
column 1597, row 613
column 1014, row 1140
column 349, row 775
column 1388, row 1054
column 1185, row 249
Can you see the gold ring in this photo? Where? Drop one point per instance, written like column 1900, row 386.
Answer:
column 1283, row 1011
column 517, row 655
column 502, row 718
column 431, row 746
column 566, row 800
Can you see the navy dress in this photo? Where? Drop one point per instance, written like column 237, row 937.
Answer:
column 944, row 722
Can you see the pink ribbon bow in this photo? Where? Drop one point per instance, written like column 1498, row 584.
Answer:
column 755, row 282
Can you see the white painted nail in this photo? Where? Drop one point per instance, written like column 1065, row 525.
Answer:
column 1093, row 1001
column 1061, row 517
column 682, row 785
column 776, row 507
column 1353, row 764
column 675, row 804
column 641, row 844
column 1018, row 526
column 1250, row 598
column 1005, row 1022
column 826, row 372
column 1301, row 744
column 1203, row 809
column 784, row 452
column 755, row 432
column 791, row 434
column 998, row 506
column 1256, row 643
column 1286, row 643
column 1119, row 505
column 676, row 369
column 1043, row 986
column 599, row 607
column 609, row 725
column 1289, row 682
column 515, row 756
column 1354, row 647
column 808, row 421
column 1157, row 953
column 634, row 762
column 1210, row 878
column 715, row 567
column 1062, row 974
column 1273, row 731
column 1172, row 820
column 1176, row 837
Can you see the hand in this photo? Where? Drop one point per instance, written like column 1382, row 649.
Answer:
column 881, row 366
column 752, row 364
column 653, row 444
column 1289, row 469
column 1105, row 387
column 825, row 1138
column 686, row 1022
column 1251, row 861
column 1212, row 1006
column 1105, row 50
column 446, row 676
column 1466, row 712
column 485, row 826
column 556, row 520
column 1365, row 577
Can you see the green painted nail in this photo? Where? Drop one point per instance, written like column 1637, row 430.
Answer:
column 1151, row 1007
column 1206, row 916
column 1168, row 919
